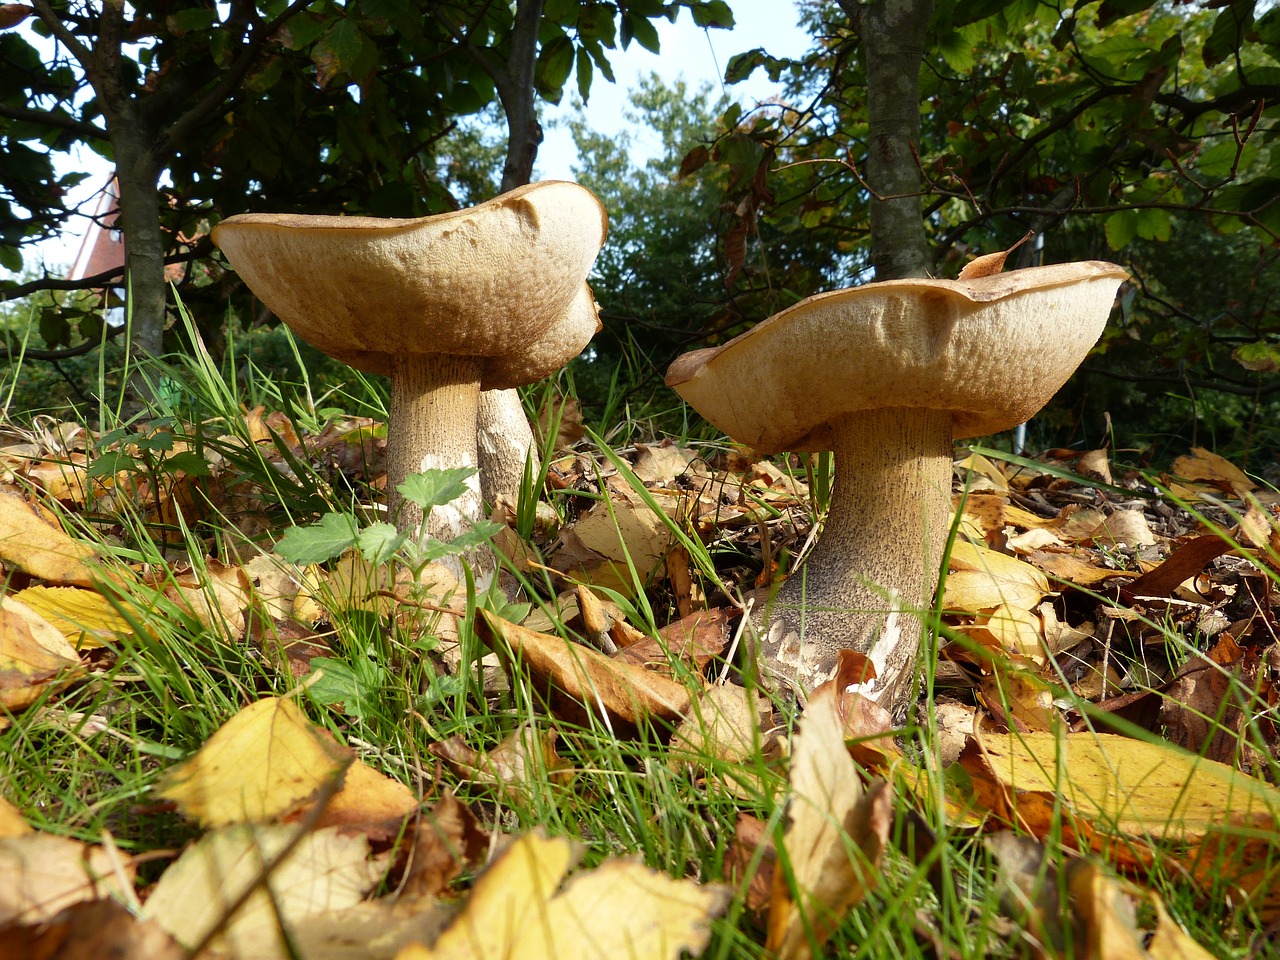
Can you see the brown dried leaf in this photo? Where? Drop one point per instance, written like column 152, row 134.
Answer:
column 90, row 931
column 982, row 579
column 593, row 681
column 834, row 836
column 991, row 263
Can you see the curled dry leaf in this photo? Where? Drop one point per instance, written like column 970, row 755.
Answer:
column 265, row 762
column 588, row 678
column 990, row 264
column 525, row 755
column 619, row 909
column 834, row 836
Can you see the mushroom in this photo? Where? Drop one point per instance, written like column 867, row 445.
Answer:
column 490, row 297
column 886, row 376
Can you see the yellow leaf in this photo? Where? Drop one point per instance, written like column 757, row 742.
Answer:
column 86, row 618
column 36, row 547
column 1203, row 464
column 1132, row 798
column 983, row 579
column 834, row 836
column 33, row 655
column 325, row 872
column 263, row 763
column 620, row 909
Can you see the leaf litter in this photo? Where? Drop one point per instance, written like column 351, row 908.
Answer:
column 1062, row 595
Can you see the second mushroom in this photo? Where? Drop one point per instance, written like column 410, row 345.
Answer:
column 887, row 375
column 490, row 297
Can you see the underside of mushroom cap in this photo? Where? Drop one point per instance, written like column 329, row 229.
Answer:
column 488, row 281
column 992, row 351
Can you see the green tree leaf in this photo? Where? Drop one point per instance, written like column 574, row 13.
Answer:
column 379, row 542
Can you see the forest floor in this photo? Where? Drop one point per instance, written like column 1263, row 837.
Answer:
column 242, row 716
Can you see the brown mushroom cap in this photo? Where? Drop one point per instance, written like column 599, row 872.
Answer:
column 502, row 280
column 992, row 351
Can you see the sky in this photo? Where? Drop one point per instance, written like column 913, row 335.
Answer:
column 687, row 52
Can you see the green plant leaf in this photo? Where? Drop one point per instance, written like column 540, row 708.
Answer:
column 477, row 536
column 380, row 541
column 323, row 540
column 435, row 488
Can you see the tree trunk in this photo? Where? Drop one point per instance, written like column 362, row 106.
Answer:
column 893, row 41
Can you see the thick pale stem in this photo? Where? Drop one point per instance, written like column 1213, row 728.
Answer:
column 434, row 400
column 505, row 442
column 866, row 586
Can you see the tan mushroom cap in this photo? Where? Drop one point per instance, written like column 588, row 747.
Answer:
column 504, row 279
column 992, row 350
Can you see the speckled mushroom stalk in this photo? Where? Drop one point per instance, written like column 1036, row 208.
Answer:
column 487, row 298
column 878, row 554
column 887, row 375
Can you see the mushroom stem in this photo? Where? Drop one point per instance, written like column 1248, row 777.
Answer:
column 434, row 401
column 505, row 442
column 878, row 553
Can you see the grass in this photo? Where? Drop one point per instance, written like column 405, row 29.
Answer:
column 85, row 760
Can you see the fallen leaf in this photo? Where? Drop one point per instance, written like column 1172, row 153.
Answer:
column 1206, row 465
column 40, row 549
column 1130, row 799
column 834, row 836
column 34, row 656
column 263, row 763
column 87, row 619
column 12, row 823
column 525, row 755
column 445, row 839
column 989, row 264
column 44, row 874
column 620, row 909
column 88, row 931
column 591, row 680
column 982, row 579
column 324, row 872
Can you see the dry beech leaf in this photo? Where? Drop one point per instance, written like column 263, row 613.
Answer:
column 661, row 463
column 620, row 909
column 834, row 836
column 33, row 655
column 590, row 679
column 263, row 763
column 40, row 549
column 44, row 874
column 86, row 618
column 216, row 596
column 723, row 729
column 326, row 871
column 982, row 579
column 369, row 802
column 1071, row 569
column 444, row 840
